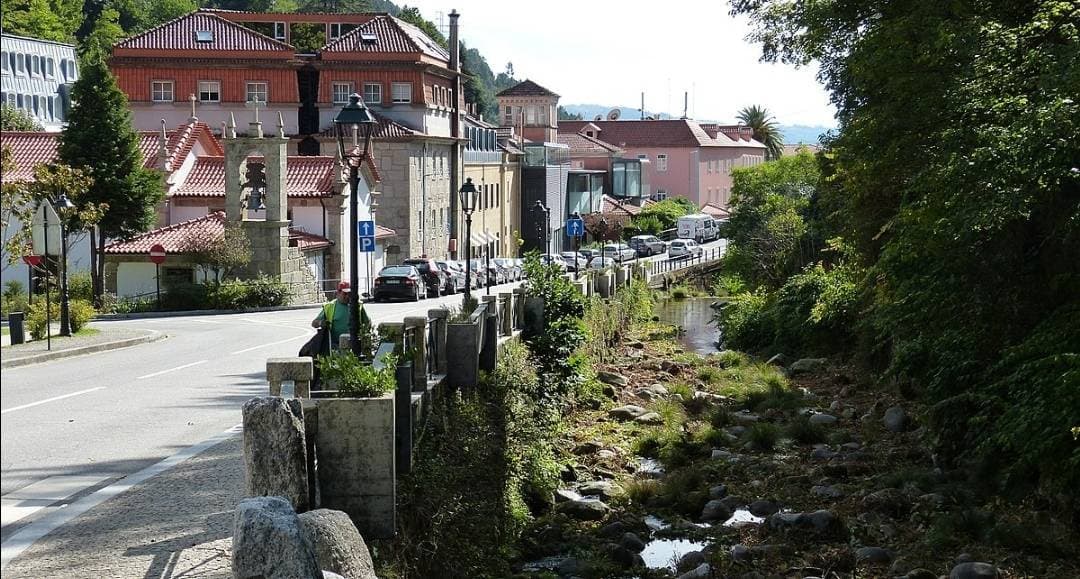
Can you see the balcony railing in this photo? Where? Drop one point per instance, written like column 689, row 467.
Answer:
column 475, row 157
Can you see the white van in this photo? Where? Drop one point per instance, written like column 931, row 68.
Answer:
column 699, row 226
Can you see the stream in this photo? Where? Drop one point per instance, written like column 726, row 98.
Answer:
column 694, row 316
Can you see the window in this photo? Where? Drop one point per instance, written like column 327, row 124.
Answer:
column 280, row 31
column 71, row 69
column 373, row 93
column 20, row 59
column 508, row 114
column 709, row 166
column 4, row 62
column 209, row 91
column 402, row 92
column 37, row 65
column 661, row 162
column 341, row 91
column 52, row 112
column 51, row 68
column 257, row 92
column 335, row 30
column 530, row 115
column 161, row 91
column 204, row 36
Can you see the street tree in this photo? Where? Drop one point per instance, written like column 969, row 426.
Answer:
column 100, row 140
column 766, row 131
column 221, row 254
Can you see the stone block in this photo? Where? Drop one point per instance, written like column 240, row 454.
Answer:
column 278, row 369
column 275, row 451
column 268, row 542
column 339, row 548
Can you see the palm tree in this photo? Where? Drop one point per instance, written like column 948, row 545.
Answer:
column 765, row 130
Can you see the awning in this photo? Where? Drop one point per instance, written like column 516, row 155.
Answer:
column 483, row 238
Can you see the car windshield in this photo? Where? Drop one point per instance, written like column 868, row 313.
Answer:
column 678, row 243
column 396, row 270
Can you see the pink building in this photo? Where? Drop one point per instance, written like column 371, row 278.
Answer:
column 685, row 158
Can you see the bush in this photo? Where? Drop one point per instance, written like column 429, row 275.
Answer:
column 264, row 292
column 355, row 378
column 190, row 296
column 81, row 311
column 14, row 298
column 763, row 436
column 81, row 286
column 803, row 431
column 36, row 319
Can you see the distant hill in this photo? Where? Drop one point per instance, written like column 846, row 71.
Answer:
column 793, row 134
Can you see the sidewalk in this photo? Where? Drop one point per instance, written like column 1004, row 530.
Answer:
column 106, row 338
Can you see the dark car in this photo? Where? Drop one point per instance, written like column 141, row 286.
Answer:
column 399, row 281
column 455, row 276
column 432, row 275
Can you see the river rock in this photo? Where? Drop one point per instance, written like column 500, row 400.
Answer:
column 622, row 556
column 588, row 447
column 331, row 575
column 338, row 545
column 691, row 560
column 606, row 454
column 745, row 417
column 920, row 574
column 896, row 419
column 819, row 522
column 733, row 502
column 275, row 451
column 823, row 453
column 268, row 542
column 874, row 555
column 584, row 509
column 702, row 571
column 649, row 418
column 736, row 431
column 822, row 419
column 888, row 501
column 718, row 492
column 626, row 412
column 632, row 542
column 741, row 554
column 806, row 366
column 715, row 510
column 827, row 491
column 762, row 508
column 974, row 570
column 612, row 529
column 721, row 454
column 600, row 488
column 612, row 378
column 563, row 495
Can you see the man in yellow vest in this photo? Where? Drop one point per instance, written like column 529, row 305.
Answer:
column 334, row 316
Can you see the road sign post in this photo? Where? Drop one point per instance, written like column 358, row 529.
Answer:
column 365, row 241
column 157, row 255
column 575, row 228
column 31, row 262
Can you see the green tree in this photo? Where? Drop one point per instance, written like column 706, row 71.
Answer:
column 45, row 19
column 106, row 31
column 99, row 140
column 668, row 211
column 411, row 14
column 13, row 119
column 766, row 131
column 221, row 254
column 565, row 115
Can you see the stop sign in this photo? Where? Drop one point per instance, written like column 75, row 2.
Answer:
column 32, row 260
column 157, row 254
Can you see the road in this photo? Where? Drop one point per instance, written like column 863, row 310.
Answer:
column 75, row 425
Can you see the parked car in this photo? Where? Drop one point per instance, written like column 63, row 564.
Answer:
column 601, row 262
column 556, row 260
column 491, row 273
column 646, row 245
column 574, row 261
column 619, row 252
column 589, row 252
column 700, row 227
column 513, row 270
column 433, row 277
column 684, row 248
column 454, row 274
column 399, row 281
column 476, row 271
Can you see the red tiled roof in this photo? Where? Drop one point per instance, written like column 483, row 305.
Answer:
column 660, row 133
column 384, row 232
column 525, row 88
column 584, row 143
column 612, row 205
column 173, row 237
column 388, row 129
column 30, row 149
column 391, row 36
column 716, row 210
column 306, row 177
column 180, row 34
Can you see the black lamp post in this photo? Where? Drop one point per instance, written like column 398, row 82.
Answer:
column 353, row 119
column 542, row 216
column 64, row 205
column 468, row 204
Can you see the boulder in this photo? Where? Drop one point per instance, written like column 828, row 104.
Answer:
column 721, row 454
column 599, row 488
column 715, row 510
column 563, row 495
column 827, row 491
column 649, row 418
column 275, row 450
column 584, row 509
column 974, row 570
column 762, row 508
column 741, row 554
column 745, row 417
column 823, row 453
column 920, row 574
column 818, row 522
column 612, row 378
column 632, row 542
column 733, row 502
column 626, row 412
column 606, row 454
column 268, row 542
column 612, row 530
column 736, row 431
column 338, row 545
column 568, row 567
column 691, row 560
column 806, row 366
column 623, row 557
column 718, row 491
column 588, row 447
column 822, row 419
column 873, row 555
column 331, row 575
column 896, row 419
column 703, row 571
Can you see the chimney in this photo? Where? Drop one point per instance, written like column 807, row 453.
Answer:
column 686, row 105
column 643, row 105
column 712, row 129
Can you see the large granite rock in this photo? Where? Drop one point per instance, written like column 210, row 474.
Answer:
column 338, row 545
column 896, row 419
column 820, row 523
column 806, row 365
column 275, row 451
column 268, row 542
column 974, row 570
column 715, row 510
column 612, row 378
column 584, row 509
column 627, row 412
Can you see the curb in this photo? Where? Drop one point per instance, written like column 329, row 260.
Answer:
column 182, row 313
column 91, row 349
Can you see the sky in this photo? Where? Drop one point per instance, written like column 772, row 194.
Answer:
column 607, row 53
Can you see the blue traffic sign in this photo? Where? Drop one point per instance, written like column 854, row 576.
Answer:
column 365, row 228
column 575, row 227
column 367, row 244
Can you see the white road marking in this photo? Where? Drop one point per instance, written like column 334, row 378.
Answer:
column 53, row 399
column 32, row 498
column 304, row 335
column 172, row 369
column 28, row 535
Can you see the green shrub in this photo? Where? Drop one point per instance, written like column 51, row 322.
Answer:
column 36, row 319
column 730, row 359
column 264, row 292
column 708, row 374
column 80, row 311
column 721, row 417
column 763, row 436
column 356, row 379
column 81, row 286
column 13, row 302
column 803, row 431
column 641, row 491
column 189, row 296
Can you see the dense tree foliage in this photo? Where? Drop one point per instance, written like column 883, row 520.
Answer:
column 765, row 128
column 13, row 119
column 953, row 180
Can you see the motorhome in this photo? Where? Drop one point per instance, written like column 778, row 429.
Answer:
column 699, row 226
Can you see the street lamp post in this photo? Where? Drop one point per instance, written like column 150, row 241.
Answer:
column 64, row 205
column 468, row 204
column 351, row 120
column 542, row 225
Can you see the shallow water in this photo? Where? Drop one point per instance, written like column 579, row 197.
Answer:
column 649, row 468
column 665, row 553
column 695, row 317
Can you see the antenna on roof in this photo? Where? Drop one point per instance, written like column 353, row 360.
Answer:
column 685, row 104
column 643, row 105
column 614, row 114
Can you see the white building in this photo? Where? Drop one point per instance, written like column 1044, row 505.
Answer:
column 36, row 76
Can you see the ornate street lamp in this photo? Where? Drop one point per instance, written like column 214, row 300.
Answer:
column 354, row 119
column 64, row 206
column 468, row 204
column 542, row 216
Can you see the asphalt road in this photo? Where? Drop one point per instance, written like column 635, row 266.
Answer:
column 77, row 424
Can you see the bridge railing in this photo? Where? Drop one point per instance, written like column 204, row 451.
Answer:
column 676, row 263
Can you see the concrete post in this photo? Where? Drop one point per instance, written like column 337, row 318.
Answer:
column 603, row 284
column 442, row 318
column 418, row 326
column 299, row 370
column 519, row 307
column 403, row 418
column 275, row 450
column 462, row 353
column 488, row 353
column 506, row 313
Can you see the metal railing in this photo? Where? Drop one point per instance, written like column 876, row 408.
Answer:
column 676, row 263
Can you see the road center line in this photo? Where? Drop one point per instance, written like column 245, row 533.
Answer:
column 53, row 399
column 30, row 534
column 304, row 335
column 172, row 369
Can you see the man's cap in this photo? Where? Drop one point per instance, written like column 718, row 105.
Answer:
column 343, row 286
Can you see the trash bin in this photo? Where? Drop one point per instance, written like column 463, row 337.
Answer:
column 15, row 325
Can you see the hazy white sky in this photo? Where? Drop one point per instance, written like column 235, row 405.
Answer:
column 606, row 53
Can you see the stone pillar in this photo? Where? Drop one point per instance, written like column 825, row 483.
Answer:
column 418, row 325
column 506, row 313
column 275, row 450
column 334, row 266
column 441, row 317
column 275, row 155
column 519, row 307
column 268, row 541
column 490, row 347
column 603, row 284
column 299, row 370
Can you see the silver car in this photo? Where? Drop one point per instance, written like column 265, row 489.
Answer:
column 619, row 252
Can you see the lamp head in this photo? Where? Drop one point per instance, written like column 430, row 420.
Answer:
column 353, row 117
column 468, row 196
